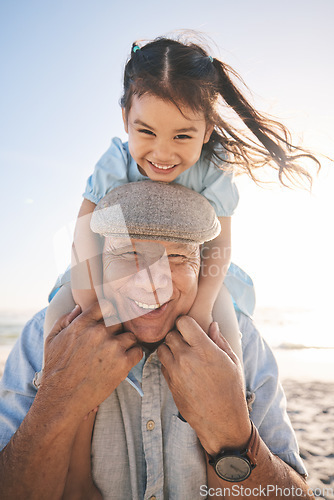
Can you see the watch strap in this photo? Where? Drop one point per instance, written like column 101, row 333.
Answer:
column 252, row 448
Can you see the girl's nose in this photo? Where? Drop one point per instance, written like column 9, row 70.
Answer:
column 164, row 153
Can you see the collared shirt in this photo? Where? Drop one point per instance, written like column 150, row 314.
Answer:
column 141, row 445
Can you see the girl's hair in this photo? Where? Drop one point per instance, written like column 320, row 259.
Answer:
column 185, row 74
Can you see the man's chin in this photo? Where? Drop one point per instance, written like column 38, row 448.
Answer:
column 150, row 340
column 148, row 336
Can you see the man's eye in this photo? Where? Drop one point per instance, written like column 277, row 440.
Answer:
column 146, row 131
column 182, row 136
column 176, row 256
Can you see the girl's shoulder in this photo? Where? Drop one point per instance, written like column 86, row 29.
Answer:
column 112, row 170
column 118, row 157
column 118, row 150
column 206, row 170
column 214, row 182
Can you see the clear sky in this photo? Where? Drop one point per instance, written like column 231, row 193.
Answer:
column 61, row 66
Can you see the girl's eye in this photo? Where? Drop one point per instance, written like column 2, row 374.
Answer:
column 182, row 136
column 146, row 131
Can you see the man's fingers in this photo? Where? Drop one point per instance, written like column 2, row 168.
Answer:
column 74, row 313
column 126, row 339
column 191, row 331
column 216, row 336
column 100, row 310
column 175, row 341
column 134, row 354
column 165, row 355
column 64, row 321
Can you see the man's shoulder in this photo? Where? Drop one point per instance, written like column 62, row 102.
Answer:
column 26, row 356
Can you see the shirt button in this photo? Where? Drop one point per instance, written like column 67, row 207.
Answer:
column 150, row 426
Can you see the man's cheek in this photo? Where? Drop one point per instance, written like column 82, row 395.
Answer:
column 193, row 271
column 188, row 282
column 110, row 288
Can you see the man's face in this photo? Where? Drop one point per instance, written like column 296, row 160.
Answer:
column 151, row 283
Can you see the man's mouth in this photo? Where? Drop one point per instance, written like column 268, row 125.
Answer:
column 147, row 306
column 148, row 310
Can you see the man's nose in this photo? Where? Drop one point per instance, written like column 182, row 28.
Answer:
column 155, row 277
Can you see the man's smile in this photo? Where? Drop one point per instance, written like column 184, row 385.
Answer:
column 147, row 306
column 148, row 310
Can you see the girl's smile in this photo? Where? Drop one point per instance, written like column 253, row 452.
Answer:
column 164, row 140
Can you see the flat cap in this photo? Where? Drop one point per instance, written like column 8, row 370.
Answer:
column 156, row 211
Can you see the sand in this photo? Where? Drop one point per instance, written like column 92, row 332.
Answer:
column 311, row 410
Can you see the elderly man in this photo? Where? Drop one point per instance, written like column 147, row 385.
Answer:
column 173, row 420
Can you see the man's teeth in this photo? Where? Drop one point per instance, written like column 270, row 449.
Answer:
column 147, row 306
column 162, row 167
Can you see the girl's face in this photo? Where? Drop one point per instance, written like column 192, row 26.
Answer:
column 163, row 141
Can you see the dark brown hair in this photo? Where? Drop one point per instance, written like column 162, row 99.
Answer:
column 185, row 74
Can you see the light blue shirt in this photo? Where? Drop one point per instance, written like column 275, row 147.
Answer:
column 117, row 167
column 141, row 447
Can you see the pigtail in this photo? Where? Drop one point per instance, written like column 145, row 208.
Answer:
column 278, row 150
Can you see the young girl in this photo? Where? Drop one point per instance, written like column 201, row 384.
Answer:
column 173, row 112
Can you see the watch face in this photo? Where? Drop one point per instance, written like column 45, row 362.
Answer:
column 233, row 468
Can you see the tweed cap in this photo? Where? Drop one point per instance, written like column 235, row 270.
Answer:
column 156, row 211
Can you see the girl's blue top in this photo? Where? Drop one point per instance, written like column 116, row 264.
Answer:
column 117, row 167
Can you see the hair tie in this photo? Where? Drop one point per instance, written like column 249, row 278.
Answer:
column 211, row 58
column 135, row 48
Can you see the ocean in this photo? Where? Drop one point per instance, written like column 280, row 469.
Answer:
column 302, row 341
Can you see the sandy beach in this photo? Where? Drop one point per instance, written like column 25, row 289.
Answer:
column 311, row 410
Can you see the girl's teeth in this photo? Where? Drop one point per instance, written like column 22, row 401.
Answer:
column 161, row 166
column 147, row 306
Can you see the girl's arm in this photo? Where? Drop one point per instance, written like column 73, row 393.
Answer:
column 212, row 295
column 216, row 256
column 86, row 263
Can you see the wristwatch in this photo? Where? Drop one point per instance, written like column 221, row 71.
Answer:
column 235, row 465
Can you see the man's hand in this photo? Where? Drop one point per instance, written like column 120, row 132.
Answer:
column 85, row 361
column 205, row 378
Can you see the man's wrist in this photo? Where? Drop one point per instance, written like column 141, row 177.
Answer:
column 236, row 465
column 59, row 411
column 215, row 444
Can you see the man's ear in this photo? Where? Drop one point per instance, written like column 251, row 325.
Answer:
column 125, row 120
column 208, row 132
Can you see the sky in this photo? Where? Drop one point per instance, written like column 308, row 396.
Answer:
column 61, row 82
